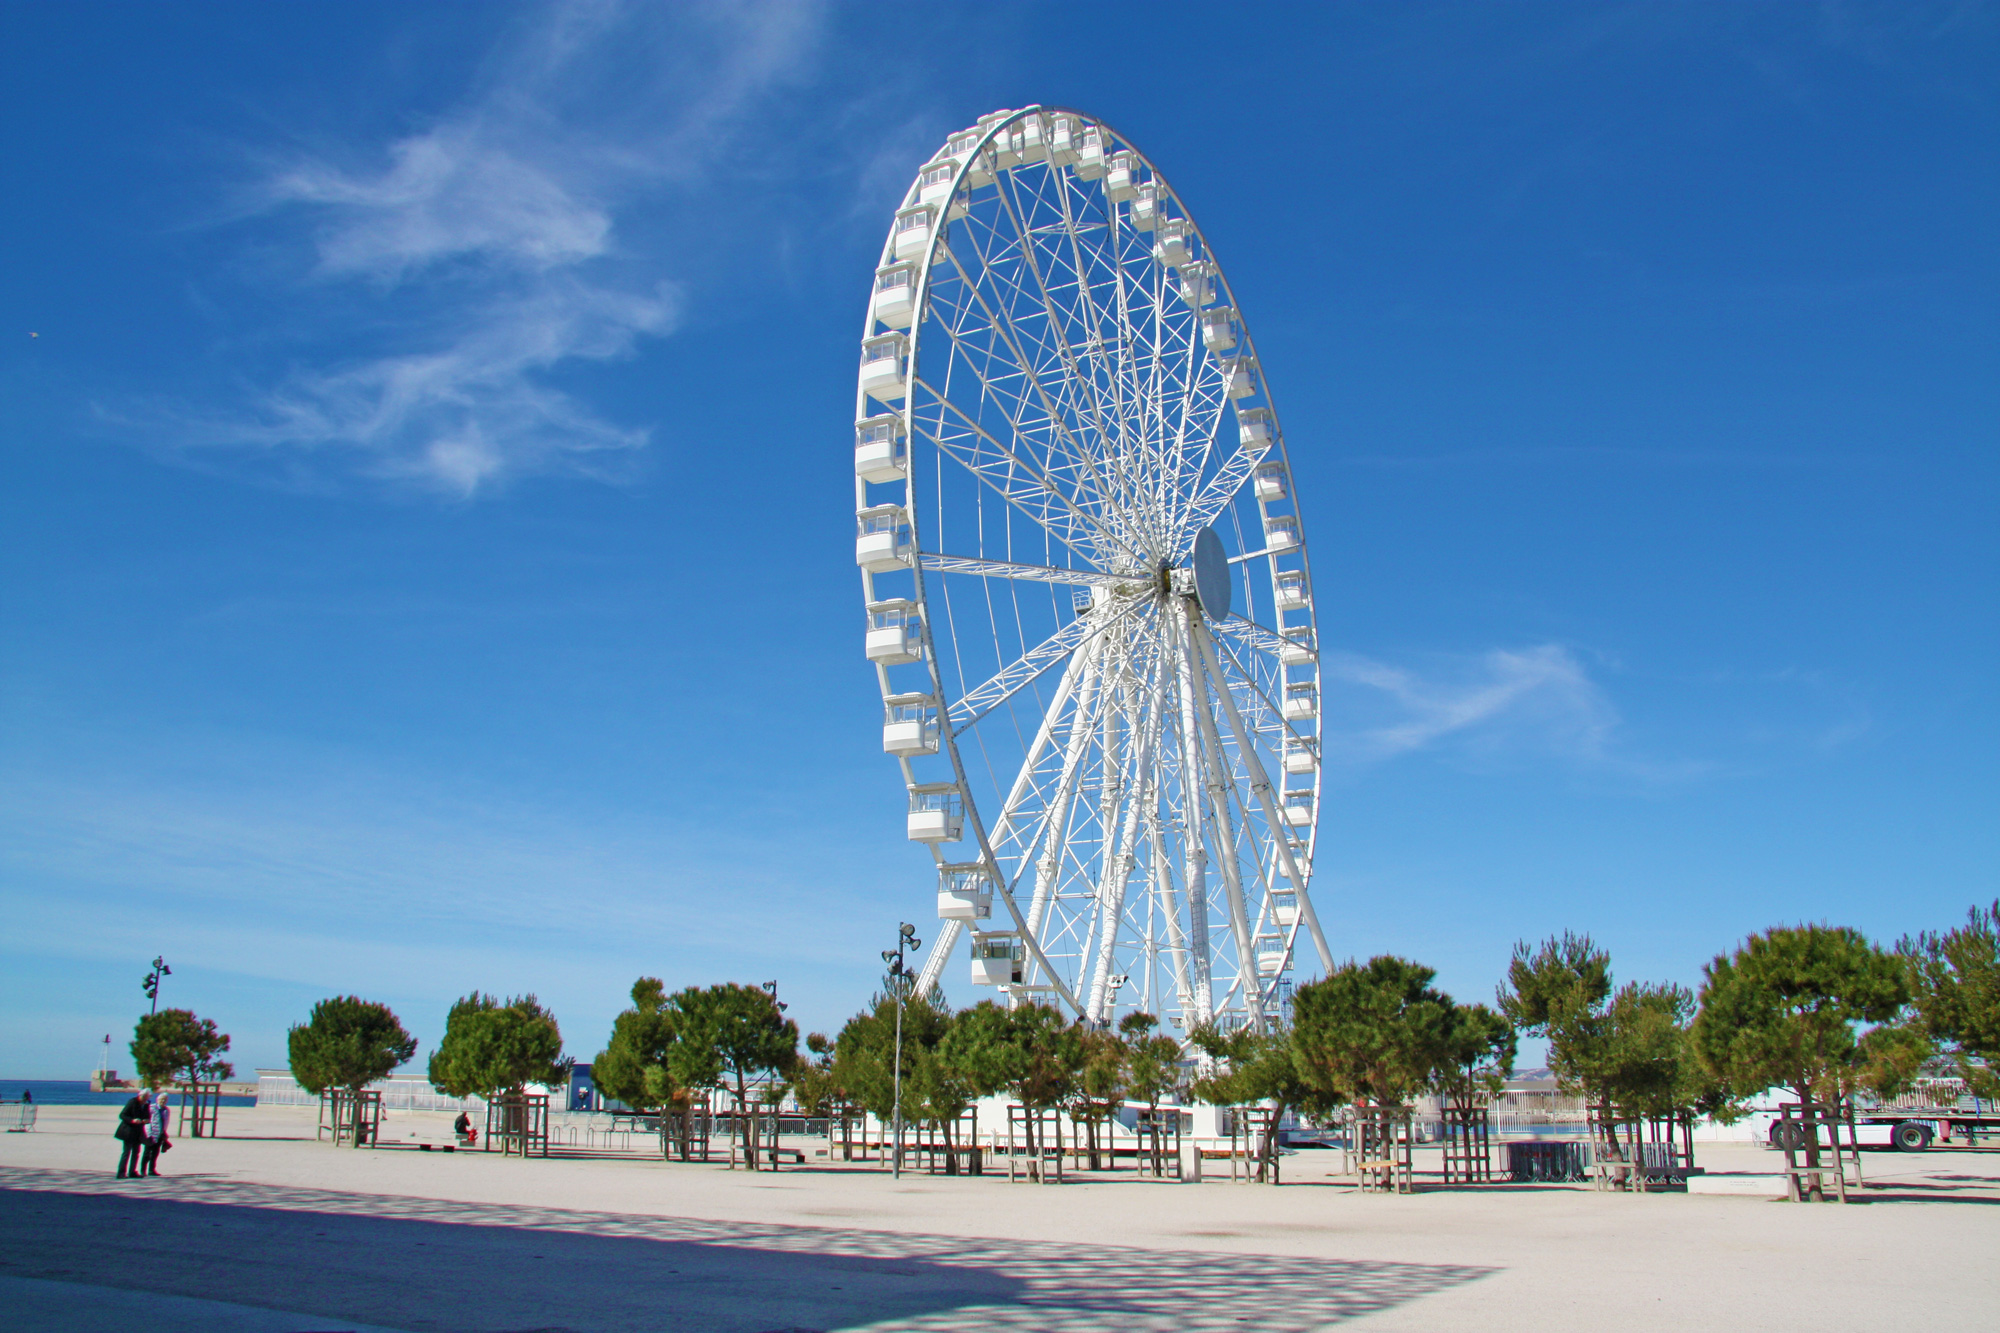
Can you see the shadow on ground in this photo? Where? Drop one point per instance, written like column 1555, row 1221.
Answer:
column 426, row 1264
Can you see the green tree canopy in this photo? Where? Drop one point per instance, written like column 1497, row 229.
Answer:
column 173, row 1046
column 1373, row 1032
column 1559, row 991
column 490, row 1048
column 1153, row 1061
column 1782, row 1011
column 1477, row 1052
column 1031, row 1052
column 1252, row 1065
column 347, row 1042
column 635, row 1067
column 734, row 1035
column 816, row 1082
column 864, row 1059
column 1957, row 994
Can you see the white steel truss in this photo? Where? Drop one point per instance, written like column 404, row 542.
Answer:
column 1067, row 385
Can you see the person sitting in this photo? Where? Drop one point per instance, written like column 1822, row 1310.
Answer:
column 463, row 1130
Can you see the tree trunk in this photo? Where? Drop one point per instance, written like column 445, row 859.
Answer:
column 1811, row 1122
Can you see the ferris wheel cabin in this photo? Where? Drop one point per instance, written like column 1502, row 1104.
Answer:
column 909, row 725
column 937, row 812
column 895, row 632
column 883, row 376
column 881, row 449
column 965, row 892
column 882, row 538
column 997, row 960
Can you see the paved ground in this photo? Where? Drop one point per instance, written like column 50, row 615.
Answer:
column 269, row 1232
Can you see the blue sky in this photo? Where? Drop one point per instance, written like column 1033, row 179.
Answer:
column 424, row 478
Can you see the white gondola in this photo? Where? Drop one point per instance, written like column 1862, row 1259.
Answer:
column 1253, row 427
column 1271, row 955
column 1064, row 134
column 883, row 539
column 913, row 231
column 997, row 959
column 1121, row 178
column 881, row 449
column 1218, row 329
column 884, row 372
column 1197, row 283
column 1270, row 482
column 1301, row 701
column 1298, row 809
column 1281, row 532
column 1090, row 154
column 1293, row 594
column 1301, row 754
column 1284, row 910
column 909, row 725
column 895, row 632
column 1030, row 141
column 937, row 812
column 1146, row 207
column 895, row 299
column 1239, row 376
column 934, row 182
column 1170, row 243
column 965, row 892
column 1300, row 647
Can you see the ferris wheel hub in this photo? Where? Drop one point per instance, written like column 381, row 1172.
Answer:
column 1211, row 575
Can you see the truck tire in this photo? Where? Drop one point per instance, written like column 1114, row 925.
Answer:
column 1788, row 1134
column 1911, row 1137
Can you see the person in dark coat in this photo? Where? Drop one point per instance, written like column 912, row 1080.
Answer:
column 131, row 1132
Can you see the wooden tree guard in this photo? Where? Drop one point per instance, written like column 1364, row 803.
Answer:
column 352, row 1119
column 201, row 1104
column 1037, row 1133
column 846, row 1117
column 948, row 1154
column 1798, row 1131
column 685, row 1128
column 1468, row 1144
column 1614, row 1151
column 1250, row 1129
column 519, row 1125
column 1382, row 1137
column 1159, row 1142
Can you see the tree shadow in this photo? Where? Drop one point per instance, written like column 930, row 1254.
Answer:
column 426, row 1264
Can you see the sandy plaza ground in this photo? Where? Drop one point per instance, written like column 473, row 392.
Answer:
column 264, row 1230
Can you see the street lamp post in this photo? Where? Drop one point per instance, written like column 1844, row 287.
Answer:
column 151, row 984
column 899, row 982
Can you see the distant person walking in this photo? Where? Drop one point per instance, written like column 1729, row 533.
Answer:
column 156, row 1134
column 131, row 1132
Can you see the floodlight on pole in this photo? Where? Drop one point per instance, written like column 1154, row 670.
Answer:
column 899, row 979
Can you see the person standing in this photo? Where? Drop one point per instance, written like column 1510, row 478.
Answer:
column 131, row 1132
column 156, row 1134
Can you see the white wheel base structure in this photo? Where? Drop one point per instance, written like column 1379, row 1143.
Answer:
column 1084, row 567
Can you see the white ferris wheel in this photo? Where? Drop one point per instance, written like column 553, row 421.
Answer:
column 1088, row 596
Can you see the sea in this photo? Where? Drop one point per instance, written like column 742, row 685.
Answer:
column 76, row 1092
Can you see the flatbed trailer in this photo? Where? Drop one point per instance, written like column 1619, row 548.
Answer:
column 1904, row 1128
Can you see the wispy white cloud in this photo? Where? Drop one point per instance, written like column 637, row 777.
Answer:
column 485, row 247
column 1540, row 698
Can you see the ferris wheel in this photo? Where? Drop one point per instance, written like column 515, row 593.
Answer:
column 1089, row 605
